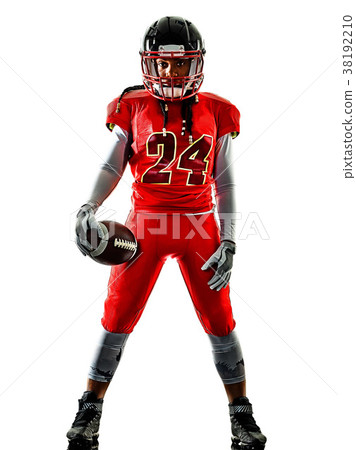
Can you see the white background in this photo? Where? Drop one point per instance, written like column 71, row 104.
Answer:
column 292, row 294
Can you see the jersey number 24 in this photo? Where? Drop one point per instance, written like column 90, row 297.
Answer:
column 194, row 159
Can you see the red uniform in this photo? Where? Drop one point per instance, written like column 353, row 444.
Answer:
column 173, row 186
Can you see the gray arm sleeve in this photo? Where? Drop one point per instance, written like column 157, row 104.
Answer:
column 114, row 167
column 225, row 187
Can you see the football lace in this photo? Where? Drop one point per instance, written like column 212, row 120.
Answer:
column 126, row 245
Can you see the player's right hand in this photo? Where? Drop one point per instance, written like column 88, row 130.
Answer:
column 86, row 222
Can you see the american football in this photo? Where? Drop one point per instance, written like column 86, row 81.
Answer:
column 117, row 245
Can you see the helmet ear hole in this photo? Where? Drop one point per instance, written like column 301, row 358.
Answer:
column 173, row 38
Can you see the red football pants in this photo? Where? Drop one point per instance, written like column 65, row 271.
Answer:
column 191, row 239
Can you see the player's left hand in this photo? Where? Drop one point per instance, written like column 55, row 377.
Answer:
column 222, row 259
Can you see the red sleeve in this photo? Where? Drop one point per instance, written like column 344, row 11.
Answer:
column 120, row 116
column 228, row 120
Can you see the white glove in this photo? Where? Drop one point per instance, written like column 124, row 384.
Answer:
column 223, row 259
column 86, row 222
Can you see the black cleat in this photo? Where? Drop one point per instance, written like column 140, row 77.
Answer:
column 84, row 433
column 246, row 433
column 80, row 444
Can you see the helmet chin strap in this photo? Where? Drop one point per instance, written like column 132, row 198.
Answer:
column 177, row 92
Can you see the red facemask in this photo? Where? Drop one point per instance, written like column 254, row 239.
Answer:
column 172, row 88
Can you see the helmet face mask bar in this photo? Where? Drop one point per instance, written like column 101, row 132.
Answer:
column 172, row 88
column 172, row 38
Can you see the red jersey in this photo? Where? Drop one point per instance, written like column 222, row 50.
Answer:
column 171, row 174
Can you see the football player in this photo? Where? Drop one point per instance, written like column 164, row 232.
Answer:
column 178, row 143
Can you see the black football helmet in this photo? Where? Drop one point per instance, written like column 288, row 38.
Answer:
column 172, row 37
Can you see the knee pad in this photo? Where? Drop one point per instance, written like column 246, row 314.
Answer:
column 107, row 356
column 228, row 358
